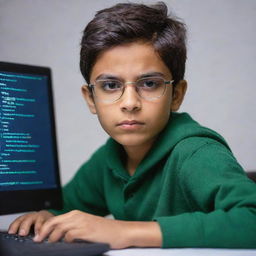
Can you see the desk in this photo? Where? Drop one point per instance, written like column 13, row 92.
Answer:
column 4, row 223
column 181, row 252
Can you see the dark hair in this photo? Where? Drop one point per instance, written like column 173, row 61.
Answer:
column 129, row 22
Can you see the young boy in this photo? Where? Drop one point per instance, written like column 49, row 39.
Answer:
column 168, row 181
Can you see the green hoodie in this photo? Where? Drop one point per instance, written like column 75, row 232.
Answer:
column 189, row 182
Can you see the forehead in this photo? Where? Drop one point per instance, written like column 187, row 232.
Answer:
column 129, row 61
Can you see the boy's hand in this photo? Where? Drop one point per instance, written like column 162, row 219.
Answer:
column 81, row 225
column 23, row 223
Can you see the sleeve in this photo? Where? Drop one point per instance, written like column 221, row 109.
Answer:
column 222, row 202
column 85, row 191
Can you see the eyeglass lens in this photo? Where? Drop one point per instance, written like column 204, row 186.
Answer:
column 112, row 90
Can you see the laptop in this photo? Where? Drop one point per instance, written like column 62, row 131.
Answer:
column 29, row 170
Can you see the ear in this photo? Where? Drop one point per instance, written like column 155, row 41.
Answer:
column 89, row 99
column 179, row 91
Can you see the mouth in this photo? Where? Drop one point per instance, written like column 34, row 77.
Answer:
column 130, row 124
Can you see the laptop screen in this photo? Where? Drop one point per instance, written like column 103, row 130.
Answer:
column 29, row 173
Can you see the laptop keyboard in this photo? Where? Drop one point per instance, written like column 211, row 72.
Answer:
column 16, row 237
column 15, row 245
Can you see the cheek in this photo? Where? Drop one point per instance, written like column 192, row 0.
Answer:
column 163, row 108
column 163, row 116
column 105, row 117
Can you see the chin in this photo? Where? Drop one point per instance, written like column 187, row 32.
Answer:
column 133, row 140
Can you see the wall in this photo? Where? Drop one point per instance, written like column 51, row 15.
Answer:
column 220, row 69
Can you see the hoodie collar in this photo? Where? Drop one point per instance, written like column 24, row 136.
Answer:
column 179, row 127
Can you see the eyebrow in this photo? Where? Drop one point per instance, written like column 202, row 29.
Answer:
column 151, row 74
column 106, row 77
column 113, row 77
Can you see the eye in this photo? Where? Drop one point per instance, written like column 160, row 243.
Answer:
column 150, row 83
column 109, row 85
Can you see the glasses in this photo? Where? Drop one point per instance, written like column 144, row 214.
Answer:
column 110, row 90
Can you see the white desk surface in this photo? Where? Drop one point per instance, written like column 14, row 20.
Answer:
column 180, row 252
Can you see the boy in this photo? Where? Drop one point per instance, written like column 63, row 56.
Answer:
column 166, row 180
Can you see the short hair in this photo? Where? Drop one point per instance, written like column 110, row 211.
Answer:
column 130, row 22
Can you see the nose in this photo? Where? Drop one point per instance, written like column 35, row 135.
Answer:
column 130, row 100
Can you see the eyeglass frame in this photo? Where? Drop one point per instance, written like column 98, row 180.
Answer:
column 91, row 88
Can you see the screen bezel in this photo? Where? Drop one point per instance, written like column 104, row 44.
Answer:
column 31, row 200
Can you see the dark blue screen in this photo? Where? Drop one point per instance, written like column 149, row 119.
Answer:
column 26, row 150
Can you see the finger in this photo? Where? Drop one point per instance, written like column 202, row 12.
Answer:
column 14, row 226
column 26, row 224
column 46, row 228
column 41, row 219
column 71, row 235
column 60, row 230
column 38, row 224
column 56, row 235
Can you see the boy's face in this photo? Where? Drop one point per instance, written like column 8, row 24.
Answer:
column 133, row 121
